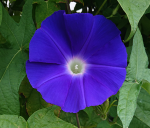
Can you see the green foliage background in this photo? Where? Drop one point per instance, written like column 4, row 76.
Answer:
column 22, row 106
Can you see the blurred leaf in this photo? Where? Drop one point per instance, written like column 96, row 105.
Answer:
column 71, row 117
column 122, row 23
column 117, row 123
column 35, row 102
column 68, row 117
column 116, row 18
column 146, row 85
column 34, row 98
column 17, row 5
column 45, row 118
column 138, row 63
column 12, row 0
column 145, row 25
column 0, row 13
column 128, row 102
column 134, row 9
column 2, row 39
column 94, row 118
column 127, row 31
column 136, row 123
column 23, row 110
column 25, row 87
column 147, row 10
column 44, row 9
column 47, row 8
column 113, row 111
column 107, row 12
column 12, row 121
column 16, row 18
column 12, row 64
column 103, row 124
column 128, row 52
column 143, row 107
column 87, row 117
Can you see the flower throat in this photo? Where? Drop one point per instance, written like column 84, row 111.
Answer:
column 76, row 66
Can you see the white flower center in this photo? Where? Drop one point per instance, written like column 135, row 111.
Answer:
column 76, row 66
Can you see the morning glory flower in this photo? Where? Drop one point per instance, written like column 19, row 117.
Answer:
column 76, row 60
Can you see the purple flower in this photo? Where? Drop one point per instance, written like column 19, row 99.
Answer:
column 76, row 60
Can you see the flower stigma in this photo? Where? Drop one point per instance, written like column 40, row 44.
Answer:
column 76, row 66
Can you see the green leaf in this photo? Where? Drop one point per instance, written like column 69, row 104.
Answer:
column 136, row 123
column 128, row 49
column 146, row 85
column 2, row 39
column 25, row 87
column 47, row 8
column 23, row 110
column 143, row 107
column 87, row 117
column 113, row 111
column 12, row 121
column 94, row 118
column 137, row 69
column 147, row 10
column 45, row 118
column 44, row 9
column 117, row 123
column 103, row 124
column 0, row 13
column 35, row 102
column 145, row 25
column 34, row 98
column 134, row 9
column 71, row 117
column 122, row 23
column 128, row 102
column 12, row 64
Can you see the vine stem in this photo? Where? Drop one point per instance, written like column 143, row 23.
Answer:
column 101, row 7
column 68, row 6
column 78, row 123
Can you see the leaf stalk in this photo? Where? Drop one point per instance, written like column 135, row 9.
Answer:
column 101, row 7
column 68, row 7
column 77, row 118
